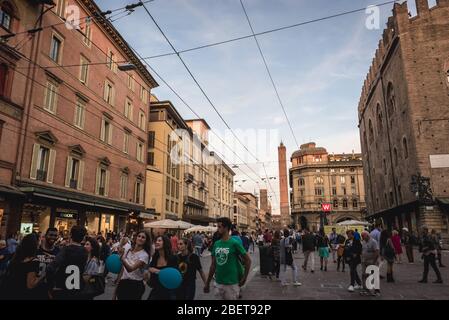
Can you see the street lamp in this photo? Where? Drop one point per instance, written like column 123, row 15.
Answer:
column 420, row 186
column 127, row 67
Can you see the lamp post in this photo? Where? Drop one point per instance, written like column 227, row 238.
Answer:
column 420, row 186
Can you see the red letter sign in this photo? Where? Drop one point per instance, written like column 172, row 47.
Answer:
column 326, row 207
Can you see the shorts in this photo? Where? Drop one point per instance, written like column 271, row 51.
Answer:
column 227, row 291
column 323, row 252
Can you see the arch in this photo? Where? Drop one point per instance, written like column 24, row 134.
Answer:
column 391, row 100
column 303, row 222
column 405, row 147
column 346, row 218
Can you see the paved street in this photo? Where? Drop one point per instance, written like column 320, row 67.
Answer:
column 331, row 285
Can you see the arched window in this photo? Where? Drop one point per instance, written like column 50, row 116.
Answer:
column 345, row 203
column 6, row 15
column 371, row 131
column 379, row 120
column 395, row 154
column 391, row 100
column 405, row 146
column 354, row 203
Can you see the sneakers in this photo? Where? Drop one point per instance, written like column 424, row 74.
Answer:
column 297, row 284
column 438, row 281
column 284, row 284
column 351, row 289
column 357, row 287
column 325, row 269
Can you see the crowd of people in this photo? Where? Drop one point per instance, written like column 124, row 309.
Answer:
column 35, row 267
column 378, row 247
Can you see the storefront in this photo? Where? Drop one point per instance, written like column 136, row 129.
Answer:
column 10, row 205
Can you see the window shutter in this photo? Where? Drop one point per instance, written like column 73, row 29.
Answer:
column 102, row 138
column 80, row 175
column 51, row 165
column 141, row 192
column 110, row 134
column 113, row 96
column 106, row 184
column 135, row 192
column 83, row 117
column 97, row 181
column 105, row 91
column 68, row 171
column 35, row 156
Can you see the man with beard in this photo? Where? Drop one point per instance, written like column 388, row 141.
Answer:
column 46, row 254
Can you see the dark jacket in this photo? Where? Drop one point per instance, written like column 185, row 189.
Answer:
column 71, row 255
column 308, row 242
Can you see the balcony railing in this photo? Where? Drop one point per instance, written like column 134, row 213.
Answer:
column 41, row 175
column 202, row 185
column 188, row 177
column 194, row 202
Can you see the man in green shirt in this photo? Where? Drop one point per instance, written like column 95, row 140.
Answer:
column 230, row 275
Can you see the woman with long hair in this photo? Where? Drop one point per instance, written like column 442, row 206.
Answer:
column 388, row 252
column 162, row 258
column 324, row 249
column 396, row 240
column 276, row 250
column 93, row 257
column 188, row 264
column 22, row 276
column 130, row 285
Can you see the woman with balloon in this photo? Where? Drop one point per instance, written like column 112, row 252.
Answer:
column 188, row 264
column 164, row 277
column 130, row 286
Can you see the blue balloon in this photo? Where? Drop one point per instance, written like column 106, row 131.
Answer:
column 170, row 278
column 113, row 263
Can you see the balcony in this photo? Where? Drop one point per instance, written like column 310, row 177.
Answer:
column 188, row 177
column 41, row 175
column 190, row 201
column 73, row 183
column 202, row 185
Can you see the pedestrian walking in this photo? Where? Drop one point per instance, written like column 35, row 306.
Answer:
column 162, row 259
column 333, row 239
column 188, row 264
column 286, row 259
column 340, row 253
column 260, row 239
column 308, row 248
column 428, row 250
column 5, row 257
column 252, row 242
column 276, row 252
column 72, row 255
column 389, row 252
column 437, row 240
column 353, row 251
column 12, row 243
column 174, row 243
column 245, row 241
column 396, row 240
column 229, row 273
column 130, row 279
column 407, row 240
column 198, row 243
column 93, row 263
column 370, row 255
column 323, row 244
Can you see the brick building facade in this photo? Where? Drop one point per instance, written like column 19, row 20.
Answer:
column 404, row 120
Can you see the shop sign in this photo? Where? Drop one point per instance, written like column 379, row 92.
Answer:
column 66, row 214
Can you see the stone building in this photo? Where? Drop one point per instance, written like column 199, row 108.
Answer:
column 286, row 218
column 264, row 220
column 221, row 184
column 317, row 177
column 404, row 120
column 80, row 150
column 241, row 212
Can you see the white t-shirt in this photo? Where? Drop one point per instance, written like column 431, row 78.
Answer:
column 132, row 258
column 260, row 238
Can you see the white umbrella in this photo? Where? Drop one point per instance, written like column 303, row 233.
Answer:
column 201, row 229
column 353, row 223
column 167, row 224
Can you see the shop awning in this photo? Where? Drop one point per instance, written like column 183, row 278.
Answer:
column 444, row 201
column 66, row 196
column 10, row 190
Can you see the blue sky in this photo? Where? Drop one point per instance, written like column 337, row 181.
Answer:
column 319, row 68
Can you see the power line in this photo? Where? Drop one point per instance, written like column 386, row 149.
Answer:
column 197, row 83
column 269, row 74
column 268, row 31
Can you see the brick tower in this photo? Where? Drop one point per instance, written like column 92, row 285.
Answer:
column 283, row 186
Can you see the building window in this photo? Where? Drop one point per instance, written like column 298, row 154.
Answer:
column 151, row 138
column 345, row 203
column 111, row 61
column 173, row 188
column 354, row 203
column 141, row 120
column 334, row 191
column 352, row 179
column 342, row 180
column 353, row 190
column 109, row 93
column 106, row 131
column 130, row 82
column 318, row 158
column 42, row 163
column 301, row 181
column 167, row 205
column 405, row 146
column 126, row 142
column 332, row 170
column 102, row 181
column 391, row 99
column 87, row 35
column 60, row 8
column 319, row 180
column 167, row 186
column 371, row 131
column 5, row 16
column 84, row 70
column 379, row 120
column 73, row 172
column 124, row 186
column 301, row 192
column 138, row 193
column 140, row 151
column 150, row 159
column 143, row 94
column 129, row 109
column 319, row 191
column 335, row 203
column 344, row 190
column 334, row 180
column 342, row 170
column 80, row 111
column 395, row 155
column 51, row 97
column 55, row 49
column 4, row 70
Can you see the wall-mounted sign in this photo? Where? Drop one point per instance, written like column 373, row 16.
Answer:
column 326, row 207
column 26, row 228
column 66, row 214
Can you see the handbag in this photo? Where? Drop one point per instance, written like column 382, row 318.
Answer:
column 95, row 286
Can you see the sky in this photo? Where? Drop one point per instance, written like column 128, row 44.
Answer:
column 319, row 69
